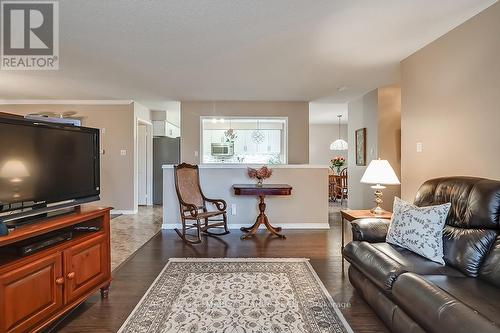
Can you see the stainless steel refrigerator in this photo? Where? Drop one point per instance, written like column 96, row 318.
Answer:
column 165, row 151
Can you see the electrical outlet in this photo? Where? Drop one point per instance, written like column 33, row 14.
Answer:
column 123, row 152
column 196, row 153
column 420, row 147
column 233, row 209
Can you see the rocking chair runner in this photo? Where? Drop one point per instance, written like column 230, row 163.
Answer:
column 192, row 205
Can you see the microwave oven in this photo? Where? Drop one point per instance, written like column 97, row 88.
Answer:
column 222, row 149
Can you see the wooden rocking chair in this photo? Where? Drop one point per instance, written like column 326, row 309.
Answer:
column 192, row 205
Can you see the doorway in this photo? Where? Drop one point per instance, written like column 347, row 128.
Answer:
column 144, row 175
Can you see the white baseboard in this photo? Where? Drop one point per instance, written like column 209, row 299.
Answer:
column 306, row 226
column 124, row 212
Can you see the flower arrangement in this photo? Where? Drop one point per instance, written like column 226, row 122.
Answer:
column 260, row 174
column 337, row 163
column 230, row 135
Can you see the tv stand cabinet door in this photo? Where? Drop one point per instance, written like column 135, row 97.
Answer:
column 86, row 267
column 31, row 293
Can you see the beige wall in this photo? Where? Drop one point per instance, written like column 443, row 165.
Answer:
column 379, row 111
column 117, row 172
column 451, row 103
column 362, row 113
column 306, row 208
column 389, row 136
column 298, row 124
column 320, row 138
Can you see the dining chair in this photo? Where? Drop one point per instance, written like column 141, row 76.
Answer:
column 343, row 189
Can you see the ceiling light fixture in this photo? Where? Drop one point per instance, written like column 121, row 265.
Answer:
column 339, row 144
column 257, row 135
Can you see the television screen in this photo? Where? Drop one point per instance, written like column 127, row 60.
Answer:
column 42, row 163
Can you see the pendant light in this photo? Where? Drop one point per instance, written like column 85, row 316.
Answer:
column 257, row 135
column 339, row 144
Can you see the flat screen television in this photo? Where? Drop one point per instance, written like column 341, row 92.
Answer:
column 43, row 164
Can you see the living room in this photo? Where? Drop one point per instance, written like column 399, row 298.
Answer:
column 166, row 166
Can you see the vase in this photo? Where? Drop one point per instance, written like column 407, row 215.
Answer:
column 259, row 182
column 338, row 170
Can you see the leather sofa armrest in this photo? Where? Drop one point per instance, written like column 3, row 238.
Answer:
column 372, row 230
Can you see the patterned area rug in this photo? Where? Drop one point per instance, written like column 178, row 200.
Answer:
column 236, row 296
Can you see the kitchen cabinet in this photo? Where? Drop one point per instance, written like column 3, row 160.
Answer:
column 251, row 147
column 239, row 143
column 274, row 141
column 165, row 128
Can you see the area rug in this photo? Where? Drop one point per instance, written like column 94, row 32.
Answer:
column 236, row 296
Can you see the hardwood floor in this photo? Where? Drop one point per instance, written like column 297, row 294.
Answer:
column 133, row 277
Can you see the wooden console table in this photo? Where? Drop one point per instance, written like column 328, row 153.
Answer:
column 38, row 288
column 261, row 192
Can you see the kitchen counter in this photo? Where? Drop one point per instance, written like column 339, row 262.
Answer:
column 306, row 208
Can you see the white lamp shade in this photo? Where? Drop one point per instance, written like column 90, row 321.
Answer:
column 380, row 172
column 339, row 144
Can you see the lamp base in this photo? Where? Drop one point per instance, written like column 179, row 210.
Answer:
column 377, row 210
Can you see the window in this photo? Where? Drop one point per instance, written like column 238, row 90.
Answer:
column 244, row 140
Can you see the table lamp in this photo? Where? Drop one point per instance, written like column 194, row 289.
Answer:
column 379, row 173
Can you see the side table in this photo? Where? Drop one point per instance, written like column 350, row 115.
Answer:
column 261, row 192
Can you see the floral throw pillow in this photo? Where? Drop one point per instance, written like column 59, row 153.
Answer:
column 419, row 229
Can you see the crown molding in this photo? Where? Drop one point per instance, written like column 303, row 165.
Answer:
column 67, row 101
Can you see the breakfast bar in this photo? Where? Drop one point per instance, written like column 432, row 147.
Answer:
column 306, row 208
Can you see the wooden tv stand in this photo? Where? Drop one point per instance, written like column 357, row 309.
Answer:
column 37, row 289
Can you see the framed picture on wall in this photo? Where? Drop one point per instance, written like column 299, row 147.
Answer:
column 361, row 147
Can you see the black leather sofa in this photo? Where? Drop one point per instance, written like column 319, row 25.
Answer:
column 412, row 294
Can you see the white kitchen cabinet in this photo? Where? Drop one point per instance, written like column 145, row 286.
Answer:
column 263, row 147
column 274, row 141
column 239, row 143
column 250, row 146
column 173, row 131
column 164, row 128
column 271, row 143
column 218, row 136
column 174, row 117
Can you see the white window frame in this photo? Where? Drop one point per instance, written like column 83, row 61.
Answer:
column 226, row 118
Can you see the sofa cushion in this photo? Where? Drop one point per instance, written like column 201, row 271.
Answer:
column 382, row 263
column 477, row 294
column 435, row 310
column 419, row 229
column 475, row 202
column 413, row 262
column 466, row 249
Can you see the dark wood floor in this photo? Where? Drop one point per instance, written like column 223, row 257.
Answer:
column 132, row 279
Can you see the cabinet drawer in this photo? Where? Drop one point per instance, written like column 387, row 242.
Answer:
column 30, row 293
column 86, row 265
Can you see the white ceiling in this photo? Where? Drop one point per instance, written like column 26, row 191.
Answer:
column 326, row 113
column 159, row 50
